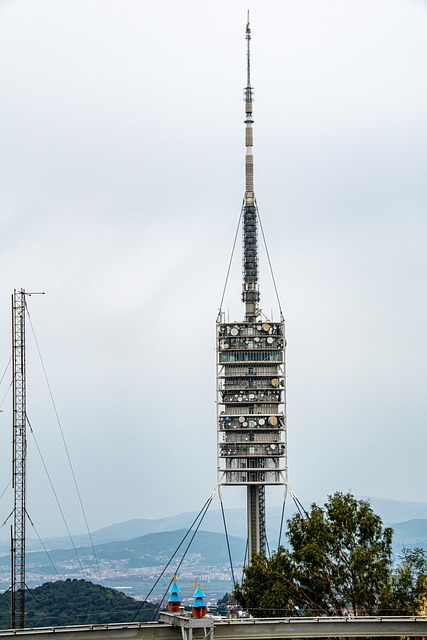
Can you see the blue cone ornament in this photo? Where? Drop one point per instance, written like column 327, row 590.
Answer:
column 174, row 602
column 198, row 609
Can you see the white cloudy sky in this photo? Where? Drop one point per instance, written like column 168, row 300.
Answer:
column 121, row 181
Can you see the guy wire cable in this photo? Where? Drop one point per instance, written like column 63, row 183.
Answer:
column 65, row 446
column 208, row 502
column 10, row 514
column 185, row 553
column 269, row 261
column 5, row 371
column 4, row 491
column 49, row 557
column 298, row 504
column 246, row 553
column 282, row 517
column 56, row 498
column 226, row 536
column 6, row 394
column 231, row 257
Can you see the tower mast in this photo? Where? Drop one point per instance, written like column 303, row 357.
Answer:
column 255, row 498
column 251, row 398
column 19, row 460
column 250, row 293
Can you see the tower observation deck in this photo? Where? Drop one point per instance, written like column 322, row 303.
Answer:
column 251, row 383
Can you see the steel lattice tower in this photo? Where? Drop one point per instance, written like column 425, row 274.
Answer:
column 251, row 397
column 19, row 460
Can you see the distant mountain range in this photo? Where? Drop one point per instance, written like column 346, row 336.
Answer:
column 131, row 555
column 141, row 566
column 392, row 511
column 408, row 519
column 151, row 550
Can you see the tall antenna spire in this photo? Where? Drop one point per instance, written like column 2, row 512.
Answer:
column 250, row 292
column 248, row 92
column 248, row 38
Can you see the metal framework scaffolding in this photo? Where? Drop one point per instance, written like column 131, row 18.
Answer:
column 19, row 460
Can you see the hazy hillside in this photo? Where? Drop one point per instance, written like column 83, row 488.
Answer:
column 135, row 564
column 391, row 511
column 397, row 510
column 152, row 550
column 412, row 533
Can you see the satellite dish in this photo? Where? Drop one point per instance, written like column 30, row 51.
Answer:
column 272, row 420
column 266, row 326
column 275, row 382
column 234, row 331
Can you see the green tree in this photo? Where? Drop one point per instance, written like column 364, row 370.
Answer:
column 222, row 605
column 269, row 588
column 406, row 592
column 339, row 560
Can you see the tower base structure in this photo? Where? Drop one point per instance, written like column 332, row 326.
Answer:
column 257, row 536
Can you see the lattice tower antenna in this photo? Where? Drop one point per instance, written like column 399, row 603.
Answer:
column 251, row 397
column 19, row 460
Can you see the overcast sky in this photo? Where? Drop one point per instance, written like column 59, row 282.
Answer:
column 121, row 182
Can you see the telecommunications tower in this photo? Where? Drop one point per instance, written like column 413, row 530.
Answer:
column 19, row 460
column 251, row 397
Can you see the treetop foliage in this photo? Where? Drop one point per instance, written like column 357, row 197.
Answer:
column 339, row 561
